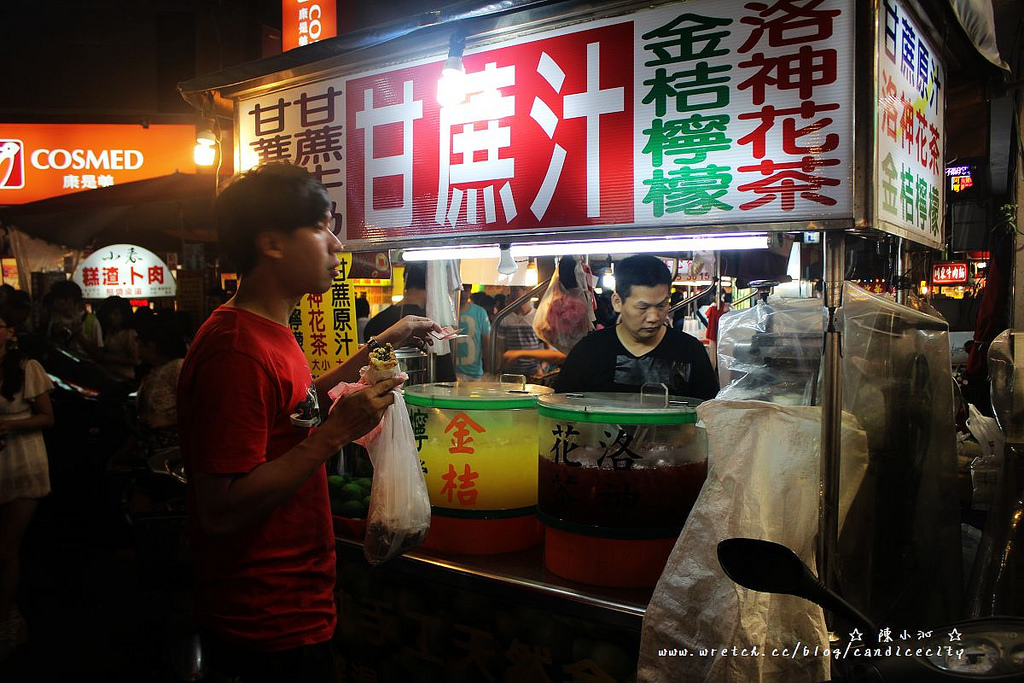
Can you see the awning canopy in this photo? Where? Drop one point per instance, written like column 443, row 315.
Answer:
column 158, row 213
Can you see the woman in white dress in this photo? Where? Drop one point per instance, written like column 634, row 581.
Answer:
column 25, row 410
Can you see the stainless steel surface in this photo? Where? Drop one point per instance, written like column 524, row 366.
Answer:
column 831, row 412
column 503, row 313
column 415, row 363
column 525, row 571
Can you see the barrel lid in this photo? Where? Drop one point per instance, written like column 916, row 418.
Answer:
column 620, row 408
column 475, row 395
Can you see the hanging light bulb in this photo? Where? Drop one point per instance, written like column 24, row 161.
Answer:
column 451, row 88
column 506, row 264
column 532, row 278
column 205, row 151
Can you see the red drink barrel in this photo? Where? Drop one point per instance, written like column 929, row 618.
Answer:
column 617, row 477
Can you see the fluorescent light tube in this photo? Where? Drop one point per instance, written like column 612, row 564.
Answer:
column 616, row 246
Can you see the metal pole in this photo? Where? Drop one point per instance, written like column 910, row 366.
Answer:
column 503, row 313
column 831, row 410
column 901, row 293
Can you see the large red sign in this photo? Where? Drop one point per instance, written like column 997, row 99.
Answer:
column 502, row 156
column 45, row 160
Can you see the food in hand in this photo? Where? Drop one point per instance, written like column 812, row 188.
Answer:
column 383, row 364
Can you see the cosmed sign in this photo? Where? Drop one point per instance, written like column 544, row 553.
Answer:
column 909, row 128
column 700, row 113
column 124, row 270
column 46, row 160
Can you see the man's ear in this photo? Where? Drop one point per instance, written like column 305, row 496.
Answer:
column 616, row 302
column 270, row 243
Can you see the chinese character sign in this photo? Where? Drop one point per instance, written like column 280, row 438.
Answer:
column 697, row 113
column 324, row 325
column 951, row 273
column 302, row 126
column 124, row 270
column 909, row 127
column 476, row 460
column 307, row 21
column 743, row 112
column 728, row 112
column 543, row 138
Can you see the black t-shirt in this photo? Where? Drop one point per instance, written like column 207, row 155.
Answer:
column 388, row 317
column 444, row 369
column 599, row 362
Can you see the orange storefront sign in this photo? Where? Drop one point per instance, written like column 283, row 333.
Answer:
column 307, row 21
column 45, row 160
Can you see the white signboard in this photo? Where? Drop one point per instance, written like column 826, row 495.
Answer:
column 124, row 270
column 708, row 112
column 909, row 180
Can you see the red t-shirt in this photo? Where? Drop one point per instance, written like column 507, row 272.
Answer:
column 273, row 584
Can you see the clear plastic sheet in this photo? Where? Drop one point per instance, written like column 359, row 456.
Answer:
column 901, row 550
column 771, row 352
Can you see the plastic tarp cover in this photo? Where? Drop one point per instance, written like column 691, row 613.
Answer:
column 763, row 483
column 771, row 351
column 900, row 557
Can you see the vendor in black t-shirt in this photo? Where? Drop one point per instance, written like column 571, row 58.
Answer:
column 641, row 348
column 414, row 302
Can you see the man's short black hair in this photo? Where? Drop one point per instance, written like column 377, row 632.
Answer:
column 415, row 276
column 641, row 270
column 272, row 196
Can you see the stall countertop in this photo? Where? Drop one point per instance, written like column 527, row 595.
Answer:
column 525, row 570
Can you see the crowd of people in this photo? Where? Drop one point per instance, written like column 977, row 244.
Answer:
column 116, row 348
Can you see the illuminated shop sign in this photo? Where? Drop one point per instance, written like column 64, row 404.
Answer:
column 951, row 273
column 909, row 128
column 307, row 21
column 124, row 270
column 707, row 112
column 961, row 178
column 45, row 160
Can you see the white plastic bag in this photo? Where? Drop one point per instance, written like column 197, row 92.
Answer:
column 399, row 516
column 762, row 483
column 986, row 467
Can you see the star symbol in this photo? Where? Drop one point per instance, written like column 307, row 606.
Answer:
column 954, row 636
column 855, row 636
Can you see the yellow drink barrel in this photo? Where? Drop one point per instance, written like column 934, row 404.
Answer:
column 618, row 475
column 478, row 448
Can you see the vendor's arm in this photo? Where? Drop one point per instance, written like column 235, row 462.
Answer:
column 401, row 333
column 227, row 503
column 546, row 355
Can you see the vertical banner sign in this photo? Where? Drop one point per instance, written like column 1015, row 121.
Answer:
column 324, row 325
column 709, row 112
column 909, row 129
column 307, row 21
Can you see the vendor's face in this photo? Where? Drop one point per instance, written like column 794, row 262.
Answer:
column 644, row 312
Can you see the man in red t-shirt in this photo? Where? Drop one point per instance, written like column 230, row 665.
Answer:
column 259, row 512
